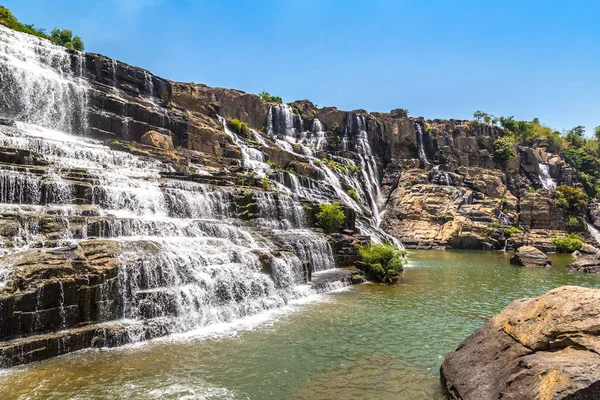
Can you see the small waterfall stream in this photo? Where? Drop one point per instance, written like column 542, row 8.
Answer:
column 545, row 177
column 593, row 231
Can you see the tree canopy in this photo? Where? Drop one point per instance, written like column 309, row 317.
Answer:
column 61, row 37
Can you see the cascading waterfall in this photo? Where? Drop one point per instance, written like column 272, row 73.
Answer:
column 185, row 260
column 440, row 177
column 420, row 143
column 253, row 159
column 39, row 83
column 545, row 178
column 369, row 168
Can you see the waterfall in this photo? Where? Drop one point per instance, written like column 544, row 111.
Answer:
column 593, row 231
column 440, row 177
column 319, row 141
column 369, row 168
column 39, row 84
column 281, row 121
column 252, row 159
column 545, row 178
column 186, row 259
column 420, row 143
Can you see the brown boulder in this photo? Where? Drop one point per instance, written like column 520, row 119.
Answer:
column 156, row 139
column 529, row 256
column 589, row 264
column 541, row 348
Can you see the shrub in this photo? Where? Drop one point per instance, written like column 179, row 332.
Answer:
column 512, row 230
column 239, row 126
column 573, row 223
column 297, row 148
column 355, row 169
column 265, row 184
column 266, row 96
column 570, row 198
column 352, row 193
column 532, row 190
column 385, row 262
column 568, row 244
column 503, row 151
column 484, row 233
column 331, row 217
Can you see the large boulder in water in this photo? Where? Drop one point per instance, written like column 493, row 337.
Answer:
column 529, row 256
column 541, row 348
column 156, row 139
column 589, row 264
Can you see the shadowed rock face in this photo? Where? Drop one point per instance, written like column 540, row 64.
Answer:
column 542, row 348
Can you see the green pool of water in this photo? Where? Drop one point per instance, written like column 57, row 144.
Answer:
column 371, row 341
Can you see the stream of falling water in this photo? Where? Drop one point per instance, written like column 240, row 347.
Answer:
column 187, row 261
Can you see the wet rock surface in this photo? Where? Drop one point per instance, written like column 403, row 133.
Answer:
column 541, row 348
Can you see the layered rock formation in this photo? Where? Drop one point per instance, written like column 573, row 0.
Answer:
column 542, row 348
column 198, row 220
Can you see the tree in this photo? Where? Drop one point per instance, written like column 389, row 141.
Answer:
column 479, row 115
column 503, row 150
column 331, row 217
column 64, row 37
column 597, row 133
column 266, row 96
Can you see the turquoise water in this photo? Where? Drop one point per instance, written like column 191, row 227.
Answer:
column 370, row 341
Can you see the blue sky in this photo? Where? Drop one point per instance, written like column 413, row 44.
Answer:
column 439, row 59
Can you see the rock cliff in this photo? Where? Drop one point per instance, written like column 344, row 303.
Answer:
column 128, row 197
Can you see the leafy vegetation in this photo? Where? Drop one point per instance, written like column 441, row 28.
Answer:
column 573, row 223
column 266, row 185
column 385, row 262
column 570, row 198
column 331, row 217
column 352, row 193
column 355, row 169
column 568, row 244
column 503, row 151
column 266, row 96
column 61, row 37
column 512, row 230
column 582, row 153
column 239, row 126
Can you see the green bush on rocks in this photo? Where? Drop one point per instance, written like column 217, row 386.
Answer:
column 568, row 244
column 331, row 217
column 385, row 262
column 503, row 151
column 239, row 126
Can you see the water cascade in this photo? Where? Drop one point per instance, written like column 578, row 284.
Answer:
column 185, row 259
column 545, row 178
column 420, row 143
column 593, row 231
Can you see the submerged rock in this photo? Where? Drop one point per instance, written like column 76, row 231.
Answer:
column 540, row 348
column 529, row 256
